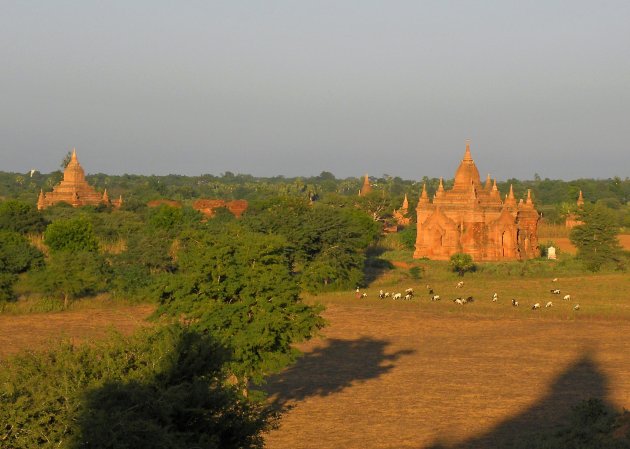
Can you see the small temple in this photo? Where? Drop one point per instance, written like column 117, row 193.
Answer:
column 75, row 190
column 400, row 215
column 471, row 218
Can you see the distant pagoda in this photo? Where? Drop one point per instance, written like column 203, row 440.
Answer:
column 75, row 190
column 366, row 187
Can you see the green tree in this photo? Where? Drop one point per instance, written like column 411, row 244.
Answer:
column 74, row 234
column 16, row 256
column 21, row 217
column 596, row 239
column 70, row 275
column 461, row 263
column 237, row 286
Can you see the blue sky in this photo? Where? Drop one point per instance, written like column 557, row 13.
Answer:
column 295, row 87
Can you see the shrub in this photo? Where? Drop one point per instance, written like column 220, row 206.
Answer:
column 462, row 263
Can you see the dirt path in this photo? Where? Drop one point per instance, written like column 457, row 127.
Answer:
column 406, row 379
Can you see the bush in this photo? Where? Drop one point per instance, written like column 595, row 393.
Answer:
column 462, row 263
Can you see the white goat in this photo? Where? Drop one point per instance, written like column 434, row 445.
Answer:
column 495, row 297
column 397, row 296
column 458, row 301
column 460, row 284
column 408, row 296
column 567, row 298
column 514, row 303
column 555, row 291
column 536, row 306
column 549, row 304
column 435, row 298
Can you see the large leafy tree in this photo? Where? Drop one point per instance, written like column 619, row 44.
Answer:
column 327, row 243
column 21, row 217
column 72, row 274
column 237, row 286
column 596, row 239
column 73, row 234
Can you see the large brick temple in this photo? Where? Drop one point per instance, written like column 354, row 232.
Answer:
column 75, row 190
column 471, row 218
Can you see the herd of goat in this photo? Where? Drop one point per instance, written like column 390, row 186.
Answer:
column 409, row 295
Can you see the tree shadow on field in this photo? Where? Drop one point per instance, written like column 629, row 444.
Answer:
column 375, row 266
column 331, row 369
column 581, row 381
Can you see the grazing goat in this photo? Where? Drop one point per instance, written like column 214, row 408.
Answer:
column 409, row 291
column 549, row 304
column 363, row 295
column 554, row 280
column 460, row 284
column 381, row 294
column 576, row 307
column 435, row 298
column 567, row 298
column 387, row 294
column 495, row 297
column 514, row 303
column 536, row 306
column 408, row 296
column 397, row 296
column 555, row 291
column 458, row 301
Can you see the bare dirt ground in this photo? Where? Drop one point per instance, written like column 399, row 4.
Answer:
column 38, row 330
column 410, row 378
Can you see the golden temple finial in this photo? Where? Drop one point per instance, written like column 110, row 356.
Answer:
column 467, row 156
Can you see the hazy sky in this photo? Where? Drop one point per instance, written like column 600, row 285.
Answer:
column 297, row 87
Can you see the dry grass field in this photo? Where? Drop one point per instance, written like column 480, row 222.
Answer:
column 37, row 331
column 421, row 374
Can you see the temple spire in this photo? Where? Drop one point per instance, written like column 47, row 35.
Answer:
column 529, row 197
column 424, row 191
column 467, row 156
column 488, row 185
column 580, row 200
column 405, row 204
column 73, row 158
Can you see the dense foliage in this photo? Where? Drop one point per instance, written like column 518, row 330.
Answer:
column 16, row 256
column 163, row 388
column 237, row 285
